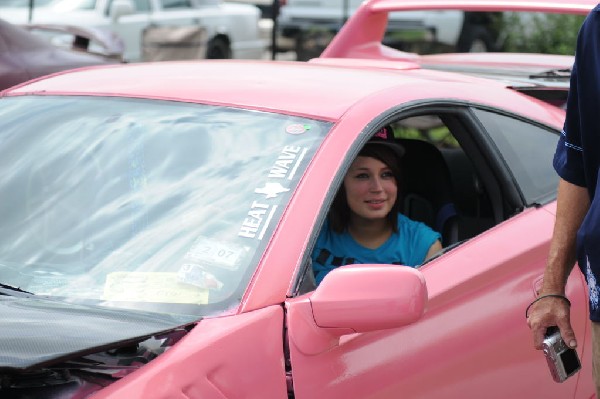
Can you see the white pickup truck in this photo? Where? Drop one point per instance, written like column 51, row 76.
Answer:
column 154, row 30
column 312, row 23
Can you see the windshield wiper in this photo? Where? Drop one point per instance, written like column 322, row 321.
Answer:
column 5, row 287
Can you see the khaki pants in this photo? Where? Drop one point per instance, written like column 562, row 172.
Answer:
column 596, row 356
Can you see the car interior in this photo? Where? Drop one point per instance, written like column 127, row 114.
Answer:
column 440, row 186
column 453, row 179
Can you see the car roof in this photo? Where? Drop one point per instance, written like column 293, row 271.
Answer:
column 313, row 90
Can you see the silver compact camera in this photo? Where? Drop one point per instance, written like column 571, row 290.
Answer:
column 562, row 360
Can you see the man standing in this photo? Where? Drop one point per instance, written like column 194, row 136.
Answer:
column 576, row 234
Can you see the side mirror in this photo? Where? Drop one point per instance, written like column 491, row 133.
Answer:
column 118, row 8
column 364, row 298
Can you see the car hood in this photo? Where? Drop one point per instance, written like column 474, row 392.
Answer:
column 37, row 332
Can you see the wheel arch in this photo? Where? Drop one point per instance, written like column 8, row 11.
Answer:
column 219, row 46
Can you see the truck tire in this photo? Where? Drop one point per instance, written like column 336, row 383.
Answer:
column 218, row 48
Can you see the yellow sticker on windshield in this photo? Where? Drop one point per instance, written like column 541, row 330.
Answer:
column 151, row 287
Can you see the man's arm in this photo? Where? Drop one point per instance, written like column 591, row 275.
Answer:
column 572, row 205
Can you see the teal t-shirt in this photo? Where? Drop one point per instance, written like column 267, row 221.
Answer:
column 407, row 247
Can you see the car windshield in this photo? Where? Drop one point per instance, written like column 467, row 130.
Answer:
column 148, row 205
column 59, row 5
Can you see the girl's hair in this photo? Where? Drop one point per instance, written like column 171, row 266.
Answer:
column 339, row 214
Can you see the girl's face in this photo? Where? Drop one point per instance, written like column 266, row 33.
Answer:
column 371, row 188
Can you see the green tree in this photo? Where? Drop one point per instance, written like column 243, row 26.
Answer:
column 540, row 32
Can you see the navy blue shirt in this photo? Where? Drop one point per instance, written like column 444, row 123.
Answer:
column 577, row 156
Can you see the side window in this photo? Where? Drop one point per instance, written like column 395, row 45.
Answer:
column 139, row 5
column 142, row 5
column 437, row 200
column 527, row 150
column 169, row 4
column 441, row 187
column 428, row 128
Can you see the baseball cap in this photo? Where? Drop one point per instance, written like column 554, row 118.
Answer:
column 385, row 136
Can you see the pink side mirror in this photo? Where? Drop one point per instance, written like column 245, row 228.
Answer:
column 369, row 297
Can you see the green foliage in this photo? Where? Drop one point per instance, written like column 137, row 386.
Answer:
column 540, row 33
column 439, row 136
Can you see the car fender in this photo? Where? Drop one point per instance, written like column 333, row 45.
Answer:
column 239, row 356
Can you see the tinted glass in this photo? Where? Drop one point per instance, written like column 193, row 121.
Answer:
column 142, row 5
column 58, row 5
column 159, row 206
column 528, row 151
column 138, row 5
column 176, row 4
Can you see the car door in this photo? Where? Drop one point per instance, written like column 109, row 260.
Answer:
column 473, row 341
column 175, row 13
column 130, row 27
column 175, row 32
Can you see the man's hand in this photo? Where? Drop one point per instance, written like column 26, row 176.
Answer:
column 549, row 312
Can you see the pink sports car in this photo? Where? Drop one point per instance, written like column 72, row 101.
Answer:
column 158, row 220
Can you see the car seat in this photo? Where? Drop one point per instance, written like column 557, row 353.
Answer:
column 426, row 189
column 470, row 198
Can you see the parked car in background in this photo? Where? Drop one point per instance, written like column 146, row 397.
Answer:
column 152, row 28
column 265, row 6
column 90, row 40
column 158, row 221
column 25, row 56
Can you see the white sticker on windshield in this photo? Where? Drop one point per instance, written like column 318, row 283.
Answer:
column 297, row 128
column 262, row 211
column 210, row 252
column 151, row 287
column 287, row 162
column 194, row 274
column 259, row 215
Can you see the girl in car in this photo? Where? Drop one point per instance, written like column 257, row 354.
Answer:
column 364, row 224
